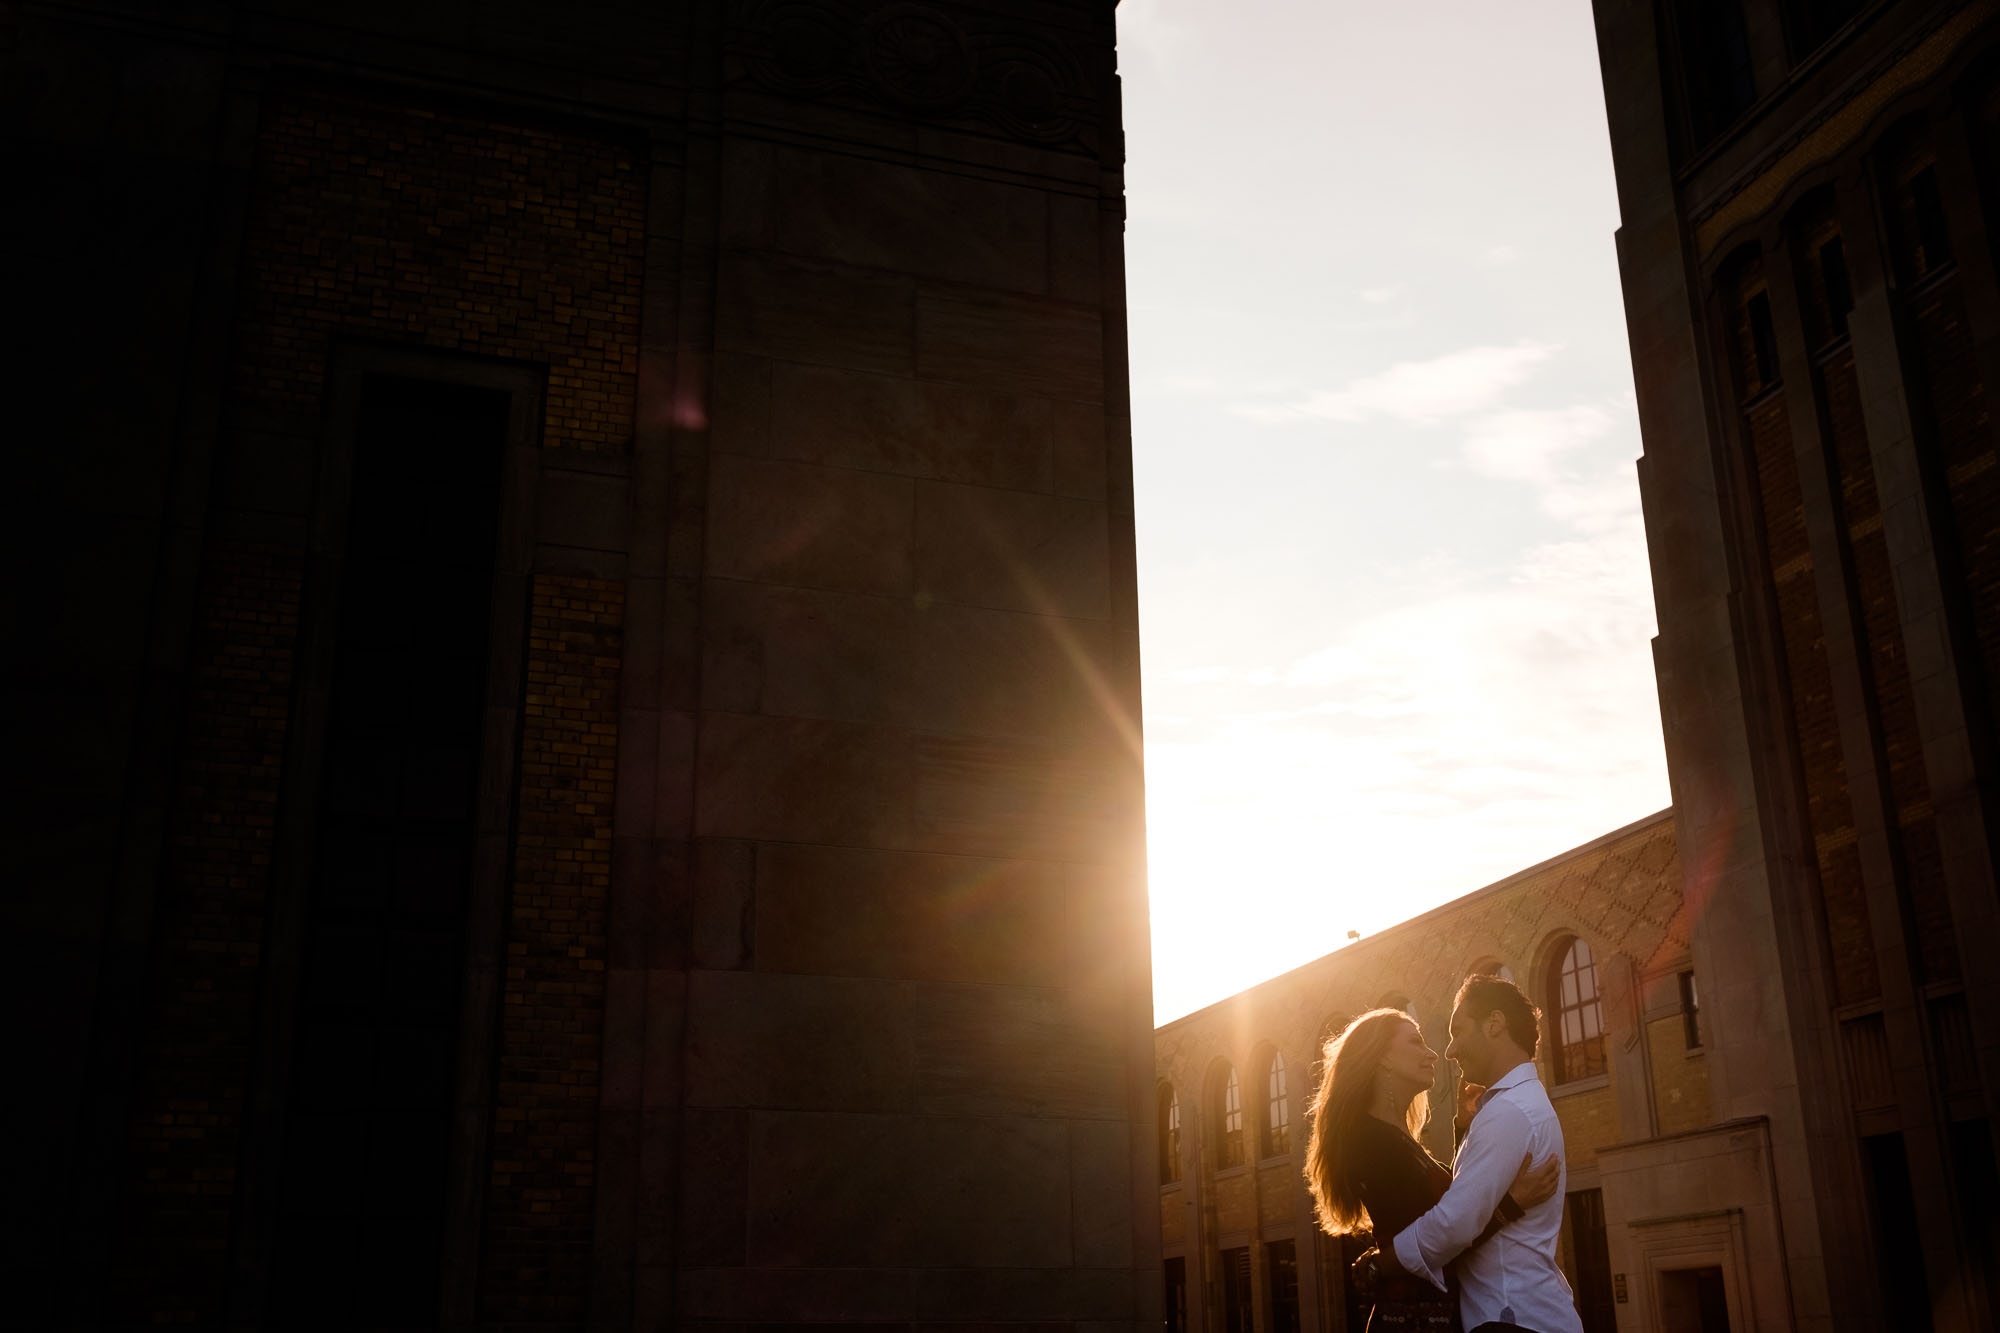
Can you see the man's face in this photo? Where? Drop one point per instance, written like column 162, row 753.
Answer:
column 1470, row 1046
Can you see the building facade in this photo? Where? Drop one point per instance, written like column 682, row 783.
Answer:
column 1806, row 194
column 1599, row 937
column 1795, row 1127
column 581, row 717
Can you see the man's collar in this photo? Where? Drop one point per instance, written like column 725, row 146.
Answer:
column 1514, row 1077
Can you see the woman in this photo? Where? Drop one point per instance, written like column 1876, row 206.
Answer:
column 1368, row 1172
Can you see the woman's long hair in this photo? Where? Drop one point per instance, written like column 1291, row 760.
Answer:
column 1345, row 1089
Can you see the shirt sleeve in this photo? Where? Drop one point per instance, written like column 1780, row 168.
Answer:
column 1486, row 1166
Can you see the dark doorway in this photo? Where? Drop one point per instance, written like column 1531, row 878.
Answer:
column 1899, row 1252
column 1176, row 1303
column 363, row 1194
column 1236, row 1290
column 1978, row 1200
column 1281, row 1280
column 1693, row 1300
column 1591, row 1251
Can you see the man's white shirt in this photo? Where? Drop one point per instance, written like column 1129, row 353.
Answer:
column 1513, row 1277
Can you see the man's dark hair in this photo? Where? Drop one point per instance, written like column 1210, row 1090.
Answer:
column 1482, row 993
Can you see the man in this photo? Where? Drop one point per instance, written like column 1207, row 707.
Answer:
column 1511, row 1280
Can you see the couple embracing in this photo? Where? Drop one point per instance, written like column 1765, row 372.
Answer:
column 1472, row 1246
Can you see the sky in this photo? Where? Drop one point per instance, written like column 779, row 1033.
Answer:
column 1395, row 613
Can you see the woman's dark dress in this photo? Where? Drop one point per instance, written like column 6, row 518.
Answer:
column 1399, row 1182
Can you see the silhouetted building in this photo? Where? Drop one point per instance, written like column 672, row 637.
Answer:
column 579, row 691
column 1598, row 937
column 1805, row 192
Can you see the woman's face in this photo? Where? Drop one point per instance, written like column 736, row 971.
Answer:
column 1408, row 1060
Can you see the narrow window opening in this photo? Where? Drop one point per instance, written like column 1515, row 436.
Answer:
column 1690, row 1013
column 1838, row 287
column 1278, row 1109
column 1176, row 1295
column 1715, row 57
column 1230, row 1149
column 1933, row 231
column 1763, row 340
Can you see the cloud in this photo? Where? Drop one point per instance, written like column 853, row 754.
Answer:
column 1182, row 384
column 1524, row 445
column 1381, row 295
column 1552, row 451
column 1488, row 720
column 1420, row 392
column 1594, row 507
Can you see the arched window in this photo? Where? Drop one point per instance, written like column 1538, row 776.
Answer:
column 1277, row 1108
column 1919, row 227
column 1228, row 1120
column 1490, row 967
column 1579, row 1025
column 1170, row 1134
column 1395, row 999
column 1825, row 288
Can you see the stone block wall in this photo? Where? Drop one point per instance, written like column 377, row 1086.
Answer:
column 913, row 752
column 806, row 974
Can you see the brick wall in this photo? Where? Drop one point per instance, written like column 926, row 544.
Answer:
column 1589, row 1121
column 1277, row 1189
column 1950, row 388
column 1173, row 1218
column 1888, row 669
column 188, row 1112
column 1768, row 435
column 1788, row 560
column 415, row 226
column 1680, row 1078
column 537, row 1245
column 1233, row 1196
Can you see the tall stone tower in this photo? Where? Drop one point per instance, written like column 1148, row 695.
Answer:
column 1807, row 192
column 582, row 711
